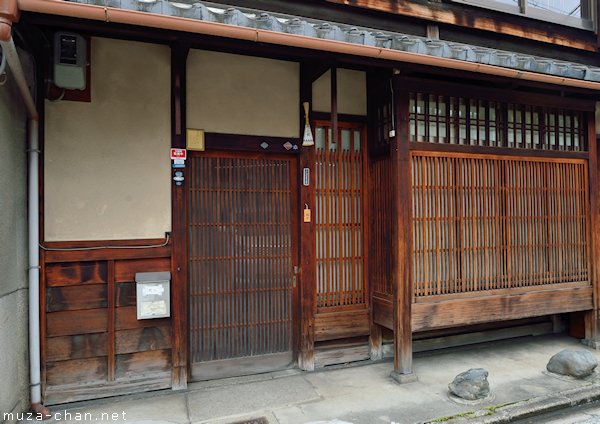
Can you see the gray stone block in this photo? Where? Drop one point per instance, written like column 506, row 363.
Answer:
column 471, row 384
column 574, row 363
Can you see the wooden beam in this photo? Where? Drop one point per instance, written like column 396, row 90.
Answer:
column 179, row 275
column 402, row 238
column 306, row 342
column 334, row 105
column 480, row 19
column 592, row 327
column 477, row 310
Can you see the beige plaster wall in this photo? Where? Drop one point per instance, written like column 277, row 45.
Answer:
column 236, row 94
column 352, row 92
column 107, row 166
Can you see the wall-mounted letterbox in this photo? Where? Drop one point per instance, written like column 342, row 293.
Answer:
column 153, row 294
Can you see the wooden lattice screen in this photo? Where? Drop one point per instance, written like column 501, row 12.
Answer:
column 485, row 223
column 240, row 257
column 489, row 123
column 338, row 217
column 381, row 196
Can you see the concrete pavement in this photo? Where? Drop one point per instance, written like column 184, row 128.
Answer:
column 359, row 393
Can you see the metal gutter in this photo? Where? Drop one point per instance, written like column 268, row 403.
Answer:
column 152, row 20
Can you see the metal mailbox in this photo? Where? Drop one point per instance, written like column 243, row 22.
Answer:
column 153, row 294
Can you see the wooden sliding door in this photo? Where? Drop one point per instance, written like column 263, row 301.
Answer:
column 242, row 253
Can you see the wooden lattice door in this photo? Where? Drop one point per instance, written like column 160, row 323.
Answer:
column 242, row 253
column 341, row 283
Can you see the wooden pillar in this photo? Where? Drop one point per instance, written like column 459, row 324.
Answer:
column 592, row 327
column 402, row 239
column 374, row 82
column 179, row 275
column 306, row 345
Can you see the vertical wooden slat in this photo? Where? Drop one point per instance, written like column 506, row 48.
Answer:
column 111, row 311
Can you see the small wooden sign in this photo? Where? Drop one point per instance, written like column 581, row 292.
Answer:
column 306, row 215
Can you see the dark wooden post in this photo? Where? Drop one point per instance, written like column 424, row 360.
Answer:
column 402, row 240
column 306, row 359
column 373, row 91
column 179, row 275
column 592, row 328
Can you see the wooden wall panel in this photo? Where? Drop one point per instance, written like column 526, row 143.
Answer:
column 143, row 339
column 76, row 371
column 126, row 294
column 140, row 363
column 125, row 270
column 67, row 323
column 70, row 298
column 127, row 319
column 74, row 273
column 92, row 335
column 339, row 325
column 75, row 347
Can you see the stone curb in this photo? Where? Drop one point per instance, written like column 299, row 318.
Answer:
column 532, row 407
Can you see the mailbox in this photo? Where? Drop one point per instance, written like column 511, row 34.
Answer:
column 153, row 294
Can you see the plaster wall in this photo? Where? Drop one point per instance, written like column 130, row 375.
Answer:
column 351, row 88
column 107, row 165
column 235, row 94
column 14, row 371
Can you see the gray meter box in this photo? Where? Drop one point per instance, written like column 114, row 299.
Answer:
column 153, row 294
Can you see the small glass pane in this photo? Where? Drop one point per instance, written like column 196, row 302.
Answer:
column 320, row 138
column 346, row 139
column 357, row 140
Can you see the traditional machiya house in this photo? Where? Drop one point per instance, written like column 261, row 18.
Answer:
column 445, row 194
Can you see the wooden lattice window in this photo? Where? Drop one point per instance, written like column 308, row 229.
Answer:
column 488, row 123
column 484, row 223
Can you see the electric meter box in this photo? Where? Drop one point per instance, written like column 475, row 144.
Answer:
column 70, row 60
column 153, row 294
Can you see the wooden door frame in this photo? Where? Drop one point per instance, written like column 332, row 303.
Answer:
column 253, row 153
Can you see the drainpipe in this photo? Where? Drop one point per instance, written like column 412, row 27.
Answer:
column 8, row 14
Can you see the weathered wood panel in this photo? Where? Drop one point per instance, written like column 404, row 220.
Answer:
column 142, row 363
column 126, row 319
column 143, row 339
column 91, row 331
column 383, row 312
column 74, row 273
column 460, row 312
column 76, row 371
column 338, row 325
column 125, row 270
column 75, row 347
column 126, row 294
column 66, row 323
column 68, row 298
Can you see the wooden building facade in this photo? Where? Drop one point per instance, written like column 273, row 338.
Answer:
column 440, row 197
